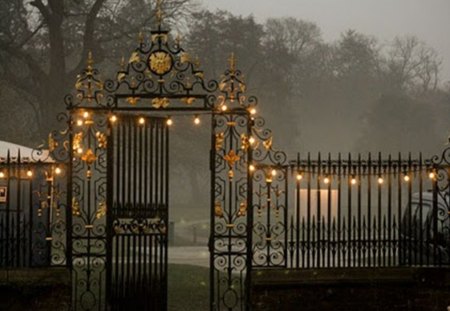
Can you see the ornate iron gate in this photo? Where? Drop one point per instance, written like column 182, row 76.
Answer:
column 138, row 219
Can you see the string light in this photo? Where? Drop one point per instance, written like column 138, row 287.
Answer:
column 141, row 121
column 169, row 121
column 274, row 172
column 2, row 175
column 353, row 181
column 380, row 180
column 406, row 178
column 253, row 111
column 432, row 175
column 113, row 118
column 79, row 122
column 251, row 140
column 224, row 107
column 326, row 180
column 196, row 120
column 29, row 173
column 299, row 176
column 58, row 170
column 251, row 168
column 85, row 114
column 80, row 150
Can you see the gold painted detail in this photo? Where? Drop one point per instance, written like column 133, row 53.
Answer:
column 77, row 140
column 218, row 211
column 101, row 211
column 185, row 57
column 220, row 137
column 89, row 157
column 76, row 211
column 160, row 102
column 52, row 143
column 134, row 58
column 242, row 209
column 244, row 142
column 133, row 100
column 268, row 143
column 188, row 100
column 160, row 62
column 102, row 140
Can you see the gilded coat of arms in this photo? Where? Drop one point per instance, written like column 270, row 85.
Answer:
column 160, row 62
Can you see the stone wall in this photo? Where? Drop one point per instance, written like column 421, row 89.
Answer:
column 36, row 289
column 354, row 289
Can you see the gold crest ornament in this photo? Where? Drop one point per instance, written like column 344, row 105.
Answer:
column 160, row 63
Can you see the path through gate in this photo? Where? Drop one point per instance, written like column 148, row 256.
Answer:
column 138, row 220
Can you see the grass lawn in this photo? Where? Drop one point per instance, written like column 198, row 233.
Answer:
column 188, row 288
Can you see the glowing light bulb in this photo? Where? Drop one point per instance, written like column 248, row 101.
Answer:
column 432, row 175
column 326, row 180
column 274, row 172
column 196, row 120
column 353, row 181
column 251, row 140
column 79, row 122
column 169, row 121
column 253, row 111
column 406, row 178
column 113, row 118
column 58, row 170
column 85, row 114
column 224, row 107
column 251, row 168
column 29, row 173
column 80, row 150
column 380, row 180
column 141, row 120
column 2, row 175
column 299, row 176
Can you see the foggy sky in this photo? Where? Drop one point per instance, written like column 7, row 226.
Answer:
column 427, row 19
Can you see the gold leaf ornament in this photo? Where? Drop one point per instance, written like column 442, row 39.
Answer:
column 134, row 58
column 101, row 211
column 242, row 209
column 220, row 137
column 188, row 100
column 133, row 100
column 89, row 157
column 268, row 143
column 218, row 211
column 160, row 102
column 76, row 211
column 231, row 158
column 102, row 140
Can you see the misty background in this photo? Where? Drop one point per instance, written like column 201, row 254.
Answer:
column 331, row 76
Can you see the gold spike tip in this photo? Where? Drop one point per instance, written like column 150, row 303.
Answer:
column 90, row 60
column 232, row 62
column 159, row 12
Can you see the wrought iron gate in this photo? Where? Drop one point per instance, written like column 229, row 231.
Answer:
column 138, row 219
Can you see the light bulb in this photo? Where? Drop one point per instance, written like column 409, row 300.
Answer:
column 406, row 178
column 169, row 121
column 326, row 180
column 196, row 120
column 274, row 172
column 299, row 177
column 353, row 181
column 432, row 175
column 29, row 173
column 251, row 140
column 85, row 114
column 253, row 111
column 251, row 167
column 79, row 122
column 58, row 170
column 113, row 118
column 2, row 175
column 80, row 150
column 224, row 107
column 380, row 180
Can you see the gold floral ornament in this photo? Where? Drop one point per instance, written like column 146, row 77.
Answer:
column 244, row 142
column 231, row 159
column 101, row 211
column 134, row 58
column 185, row 58
column 218, row 210
column 89, row 157
column 133, row 100
column 102, row 140
column 188, row 100
column 160, row 102
column 160, row 63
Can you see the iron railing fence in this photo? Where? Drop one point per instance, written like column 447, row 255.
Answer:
column 32, row 212
column 354, row 212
